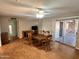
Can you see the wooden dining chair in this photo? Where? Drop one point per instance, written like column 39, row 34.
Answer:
column 30, row 37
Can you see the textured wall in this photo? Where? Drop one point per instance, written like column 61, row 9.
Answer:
column 25, row 24
column 49, row 25
column 4, row 24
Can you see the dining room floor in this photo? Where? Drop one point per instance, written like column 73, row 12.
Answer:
column 20, row 49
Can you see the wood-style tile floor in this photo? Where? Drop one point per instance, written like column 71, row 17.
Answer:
column 21, row 50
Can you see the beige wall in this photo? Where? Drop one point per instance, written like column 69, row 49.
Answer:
column 43, row 24
column 25, row 24
column 49, row 25
column 4, row 24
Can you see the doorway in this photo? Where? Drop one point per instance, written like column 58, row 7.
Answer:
column 59, row 31
column 12, row 29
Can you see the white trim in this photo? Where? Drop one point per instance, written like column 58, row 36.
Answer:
column 68, row 17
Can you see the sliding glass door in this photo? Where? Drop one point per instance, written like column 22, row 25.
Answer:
column 70, row 33
column 66, row 32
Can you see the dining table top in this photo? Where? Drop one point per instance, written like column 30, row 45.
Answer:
column 40, row 37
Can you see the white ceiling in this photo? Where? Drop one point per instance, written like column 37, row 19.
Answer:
column 52, row 8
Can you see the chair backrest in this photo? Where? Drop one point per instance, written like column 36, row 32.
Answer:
column 30, row 35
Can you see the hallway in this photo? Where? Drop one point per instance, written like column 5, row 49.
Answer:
column 21, row 50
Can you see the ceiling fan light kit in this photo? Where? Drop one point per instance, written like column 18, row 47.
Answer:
column 40, row 14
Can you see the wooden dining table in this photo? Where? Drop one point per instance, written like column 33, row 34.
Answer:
column 40, row 39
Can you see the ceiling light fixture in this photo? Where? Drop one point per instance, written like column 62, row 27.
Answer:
column 40, row 14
